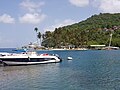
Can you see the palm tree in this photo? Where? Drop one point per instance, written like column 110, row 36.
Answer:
column 43, row 36
column 36, row 30
column 39, row 36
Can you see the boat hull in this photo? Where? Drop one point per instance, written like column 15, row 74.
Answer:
column 28, row 58
column 30, row 61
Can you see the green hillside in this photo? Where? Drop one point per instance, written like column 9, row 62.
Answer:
column 94, row 30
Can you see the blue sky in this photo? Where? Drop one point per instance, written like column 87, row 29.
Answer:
column 18, row 18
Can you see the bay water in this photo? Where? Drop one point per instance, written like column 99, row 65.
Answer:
column 88, row 70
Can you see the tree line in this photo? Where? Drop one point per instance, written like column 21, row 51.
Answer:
column 94, row 30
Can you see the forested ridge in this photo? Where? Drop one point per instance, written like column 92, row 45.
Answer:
column 94, row 30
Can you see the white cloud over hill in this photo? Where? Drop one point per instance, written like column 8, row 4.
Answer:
column 60, row 24
column 106, row 6
column 109, row 6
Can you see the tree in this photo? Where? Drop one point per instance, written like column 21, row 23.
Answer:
column 39, row 36
column 94, row 30
column 43, row 36
column 36, row 30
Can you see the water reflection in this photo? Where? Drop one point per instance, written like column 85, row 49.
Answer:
column 27, row 76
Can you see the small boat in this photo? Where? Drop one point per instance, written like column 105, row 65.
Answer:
column 69, row 58
column 28, row 58
column 111, row 47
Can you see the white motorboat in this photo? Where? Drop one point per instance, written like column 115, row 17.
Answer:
column 27, row 58
column 69, row 58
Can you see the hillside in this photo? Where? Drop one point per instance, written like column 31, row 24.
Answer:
column 94, row 30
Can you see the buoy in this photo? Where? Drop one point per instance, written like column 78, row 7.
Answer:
column 69, row 58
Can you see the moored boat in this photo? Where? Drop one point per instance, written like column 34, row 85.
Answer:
column 69, row 58
column 28, row 58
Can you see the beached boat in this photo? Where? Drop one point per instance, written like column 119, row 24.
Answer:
column 28, row 58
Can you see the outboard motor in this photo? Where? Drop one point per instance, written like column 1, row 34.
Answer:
column 57, row 56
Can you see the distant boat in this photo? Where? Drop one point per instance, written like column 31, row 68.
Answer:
column 30, row 46
column 58, row 49
column 69, row 58
column 27, row 58
column 110, row 47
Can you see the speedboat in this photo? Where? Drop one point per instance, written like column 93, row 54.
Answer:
column 28, row 58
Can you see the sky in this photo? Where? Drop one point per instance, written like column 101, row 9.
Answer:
column 18, row 18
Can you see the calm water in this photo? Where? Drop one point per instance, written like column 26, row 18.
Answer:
column 89, row 70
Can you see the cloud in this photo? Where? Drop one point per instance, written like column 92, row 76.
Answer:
column 32, row 6
column 60, row 24
column 108, row 6
column 5, row 18
column 33, row 13
column 32, row 18
column 105, row 6
column 79, row 3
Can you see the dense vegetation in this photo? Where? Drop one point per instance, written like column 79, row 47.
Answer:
column 94, row 30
